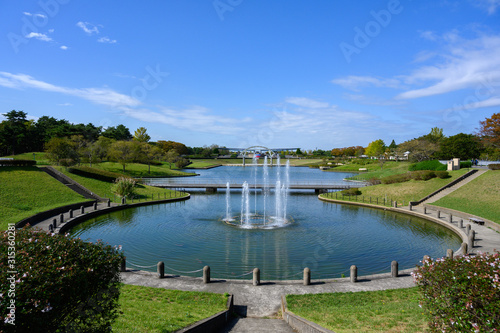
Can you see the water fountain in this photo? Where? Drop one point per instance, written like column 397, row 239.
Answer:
column 262, row 219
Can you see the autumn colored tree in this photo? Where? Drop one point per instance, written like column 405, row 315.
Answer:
column 490, row 131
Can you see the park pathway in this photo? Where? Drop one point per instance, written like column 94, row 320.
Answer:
column 447, row 191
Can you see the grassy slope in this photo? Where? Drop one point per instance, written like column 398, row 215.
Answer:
column 137, row 170
column 374, row 170
column 408, row 191
column 40, row 157
column 484, row 203
column 152, row 310
column 374, row 311
column 103, row 189
column 26, row 191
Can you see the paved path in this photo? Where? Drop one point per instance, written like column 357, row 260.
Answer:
column 252, row 325
column 447, row 191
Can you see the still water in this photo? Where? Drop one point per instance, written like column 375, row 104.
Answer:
column 328, row 238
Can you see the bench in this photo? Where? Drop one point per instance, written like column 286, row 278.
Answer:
column 478, row 221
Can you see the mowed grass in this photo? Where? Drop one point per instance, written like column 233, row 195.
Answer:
column 412, row 190
column 103, row 189
column 479, row 197
column 40, row 157
column 26, row 191
column 374, row 311
column 374, row 170
column 156, row 310
column 138, row 170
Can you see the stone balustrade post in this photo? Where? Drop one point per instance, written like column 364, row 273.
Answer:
column 449, row 253
column 256, row 277
column 354, row 274
column 160, row 269
column 394, row 269
column 206, row 274
column 307, row 276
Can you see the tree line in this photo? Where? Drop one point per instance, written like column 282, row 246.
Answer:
column 485, row 145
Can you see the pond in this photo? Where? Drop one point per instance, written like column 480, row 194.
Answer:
column 328, row 238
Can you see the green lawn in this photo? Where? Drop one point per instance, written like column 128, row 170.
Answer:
column 156, row 310
column 103, row 189
column 137, row 170
column 26, row 191
column 375, row 311
column 479, row 197
column 199, row 164
column 374, row 170
column 40, row 157
column 412, row 190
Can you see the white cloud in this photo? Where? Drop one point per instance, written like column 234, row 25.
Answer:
column 306, row 102
column 489, row 5
column 65, row 104
column 467, row 65
column 101, row 96
column 36, row 15
column 39, row 36
column 88, row 28
column 429, row 35
column 106, row 40
column 63, row 47
column 355, row 82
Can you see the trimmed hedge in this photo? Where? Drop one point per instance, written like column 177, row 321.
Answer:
column 465, row 164
column 106, row 176
column 495, row 166
column 415, row 175
column 351, row 191
column 17, row 162
column 434, row 165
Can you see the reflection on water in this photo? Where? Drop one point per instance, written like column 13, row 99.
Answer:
column 328, row 238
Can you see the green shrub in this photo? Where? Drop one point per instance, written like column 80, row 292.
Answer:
column 351, row 192
column 428, row 165
column 374, row 181
column 17, row 162
column 106, row 176
column 461, row 294
column 465, row 164
column 59, row 284
column 404, row 177
column 422, row 175
column 124, row 187
column 494, row 166
column 442, row 174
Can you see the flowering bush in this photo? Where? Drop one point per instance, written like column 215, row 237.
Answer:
column 57, row 284
column 124, row 187
column 461, row 294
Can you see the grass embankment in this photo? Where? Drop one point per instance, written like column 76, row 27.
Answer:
column 375, row 311
column 103, row 189
column 479, row 197
column 412, row 190
column 26, row 191
column 137, row 170
column 373, row 170
column 39, row 157
column 151, row 310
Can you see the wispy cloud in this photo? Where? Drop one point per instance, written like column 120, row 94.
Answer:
column 88, row 28
column 356, row 82
column 489, row 5
column 35, row 15
column 103, row 96
column 466, row 65
column 106, row 40
column 63, row 47
column 39, row 36
column 306, row 102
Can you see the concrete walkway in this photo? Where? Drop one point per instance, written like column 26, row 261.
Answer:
column 252, row 325
column 447, row 191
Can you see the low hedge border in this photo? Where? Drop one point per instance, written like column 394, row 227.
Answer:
column 85, row 171
column 17, row 162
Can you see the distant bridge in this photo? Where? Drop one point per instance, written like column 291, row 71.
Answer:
column 212, row 187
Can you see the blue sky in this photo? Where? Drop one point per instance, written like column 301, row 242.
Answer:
column 309, row 74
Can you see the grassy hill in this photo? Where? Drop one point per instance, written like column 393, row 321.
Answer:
column 479, row 197
column 26, row 191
